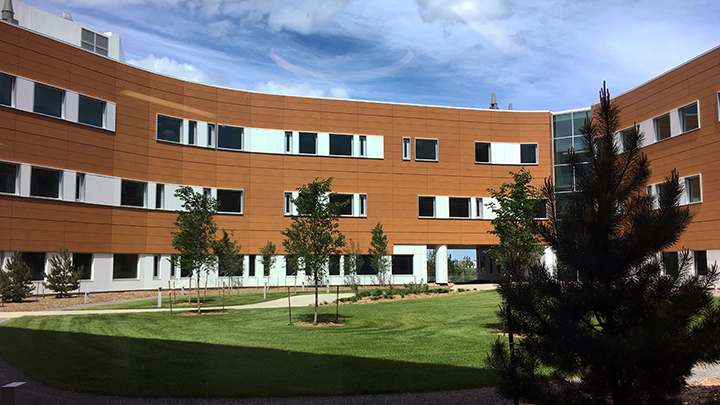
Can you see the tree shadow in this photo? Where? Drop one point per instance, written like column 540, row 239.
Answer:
column 321, row 318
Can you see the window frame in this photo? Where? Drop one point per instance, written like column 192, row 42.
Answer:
column 682, row 115
column 300, row 145
column 434, row 206
column 211, row 135
column 699, row 272
column 468, row 207
column 13, row 80
column 406, row 149
column 287, row 204
column 437, row 150
column 688, row 189
column 156, row 267
column 59, row 185
column 489, row 152
column 288, row 142
column 79, row 186
column 192, row 132
column 103, row 119
column 159, row 196
column 116, row 273
column 157, row 128
column 362, row 145
column 144, row 193
column 241, row 201
column 657, row 127
column 15, row 178
column 242, row 137
column 350, row 206
column 363, row 205
column 537, row 154
column 52, row 88
column 344, row 138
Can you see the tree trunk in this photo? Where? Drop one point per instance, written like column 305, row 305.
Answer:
column 316, row 301
column 189, row 289
column 198, row 292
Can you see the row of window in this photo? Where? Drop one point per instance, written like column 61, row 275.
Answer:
column 692, row 191
column 673, row 123
column 462, row 207
column 52, row 101
column 427, row 150
column 671, row 262
column 355, row 204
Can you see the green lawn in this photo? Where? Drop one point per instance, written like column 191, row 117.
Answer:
column 403, row 346
column 205, row 301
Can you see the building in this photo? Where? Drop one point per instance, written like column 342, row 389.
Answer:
column 92, row 150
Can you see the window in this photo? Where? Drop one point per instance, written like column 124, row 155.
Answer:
column 426, row 207
column 36, row 263
column 287, row 203
column 83, row 260
column 700, row 259
column 156, row 266
column 363, row 145
column 528, row 153
column 624, row 141
column 290, row 266
column 125, row 266
column 91, row 111
column 168, row 128
column 8, row 177
column 308, row 143
column 288, row 141
column 230, row 201
column 689, row 118
column 482, row 152
column 406, row 148
column 459, row 207
column 7, row 85
column 251, row 266
column 652, row 197
column 426, row 149
column 207, row 192
column 670, row 262
column 132, row 193
column 159, row 196
column 45, row 183
column 211, row 135
column 366, row 268
column 347, row 209
column 79, row 186
column 94, row 42
column 402, row 264
column 192, row 132
column 363, row 205
column 172, row 270
column 341, row 145
column 541, row 211
column 334, row 265
column 48, row 100
column 230, row 137
column 692, row 187
column 662, row 127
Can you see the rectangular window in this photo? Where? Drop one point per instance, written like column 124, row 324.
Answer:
column 366, row 269
column 402, row 264
column 624, row 142
column 363, row 145
column 192, row 132
column 528, row 153
column 211, row 135
column 459, row 207
column 363, row 205
column 406, row 148
column 168, row 128
column 692, row 187
column 482, row 152
column 341, row 145
column 7, row 87
column 207, row 192
column 426, row 149
column 79, row 186
column 125, row 266
column 652, row 197
column 334, row 265
column 132, row 193
column 290, row 267
column 91, row 111
column 172, row 270
column 689, row 118
column 662, row 127
column 83, row 260
column 308, row 143
column 156, row 266
column 230, row 137
column 159, row 196
column 541, row 211
column 8, row 177
column 288, row 142
column 480, row 207
column 251, row 266
column 670, row 262
column 48, row 100
column 36, row 263
column 426, row 207
column 45, row 183
column 347, row 209
column 94, row 42
column 230, row 201
column 700, row 259
column 287, row 203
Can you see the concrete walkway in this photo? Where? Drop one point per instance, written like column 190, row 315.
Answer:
column 296, row 301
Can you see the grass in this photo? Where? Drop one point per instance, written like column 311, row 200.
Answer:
column 205, row 301
column 403, row 346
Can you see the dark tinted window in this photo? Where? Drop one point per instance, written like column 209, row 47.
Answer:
column 308, row 143
column 689, row 117
column 562, row 125
column 366, row 269
column 426, row 206
column 334, row 265
column 341, row 145
column 251, row 266
column 341, row 198
column 48, row 100
column 290, row 267
column 36, row 263
column 45, row 183
column 125, row 266
column 192, row 129
column 541, row 209
column 6, row 89
column 701, row 267
column 84, row 260
column 132, row 193
column 8, row 173
column 230, row 200
column 662, row 127
column 402, row 264
column 459, row 207
column 168, row 129
column 426, row 149
column 230, row 137
column 482, row 152
column 528, row 153
column 579, row 121
column 91, row 111
column 670, row 261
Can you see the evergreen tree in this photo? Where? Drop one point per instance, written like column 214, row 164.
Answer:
column 609, row 314
column 15, row 280
column 313, row 235
column 64, row 276
column 268, row 253
column 379, row 260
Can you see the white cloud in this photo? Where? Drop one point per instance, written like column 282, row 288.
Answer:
column 220, row 29
column 171, row 67
column 299, row 89
column 454, row 11
column 303, row 16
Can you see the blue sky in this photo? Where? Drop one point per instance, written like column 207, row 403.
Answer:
column 537, row 55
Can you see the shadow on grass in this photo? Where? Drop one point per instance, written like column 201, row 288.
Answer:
column 166, row 368
column 322, row 318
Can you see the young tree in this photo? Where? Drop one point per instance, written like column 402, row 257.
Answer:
column 352, row 264
column 15, row 280
column 612, row 317
column 195, row 238
column 313, row 235
column 229, row 259
column 64, row 276
column 379, row 261
column 268, row 253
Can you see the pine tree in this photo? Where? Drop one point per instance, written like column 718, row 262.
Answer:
column 379, row 261
column 229, row 259
column 609, row 315
column 15, row 280
column 64, row 276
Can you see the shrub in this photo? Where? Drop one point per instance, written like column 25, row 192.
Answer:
column 15, row 280
column 63, row 276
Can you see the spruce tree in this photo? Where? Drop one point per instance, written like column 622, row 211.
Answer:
column 15, row 280
column 379, row 261
column 63, row 276
column 609, row 314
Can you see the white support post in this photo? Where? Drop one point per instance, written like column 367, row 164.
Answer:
column 441, row 268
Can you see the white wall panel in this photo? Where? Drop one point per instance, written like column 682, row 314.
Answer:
column 24, row 94
column 101, row 189
column 323, row 144
column 442, row 207
column 375, row 146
